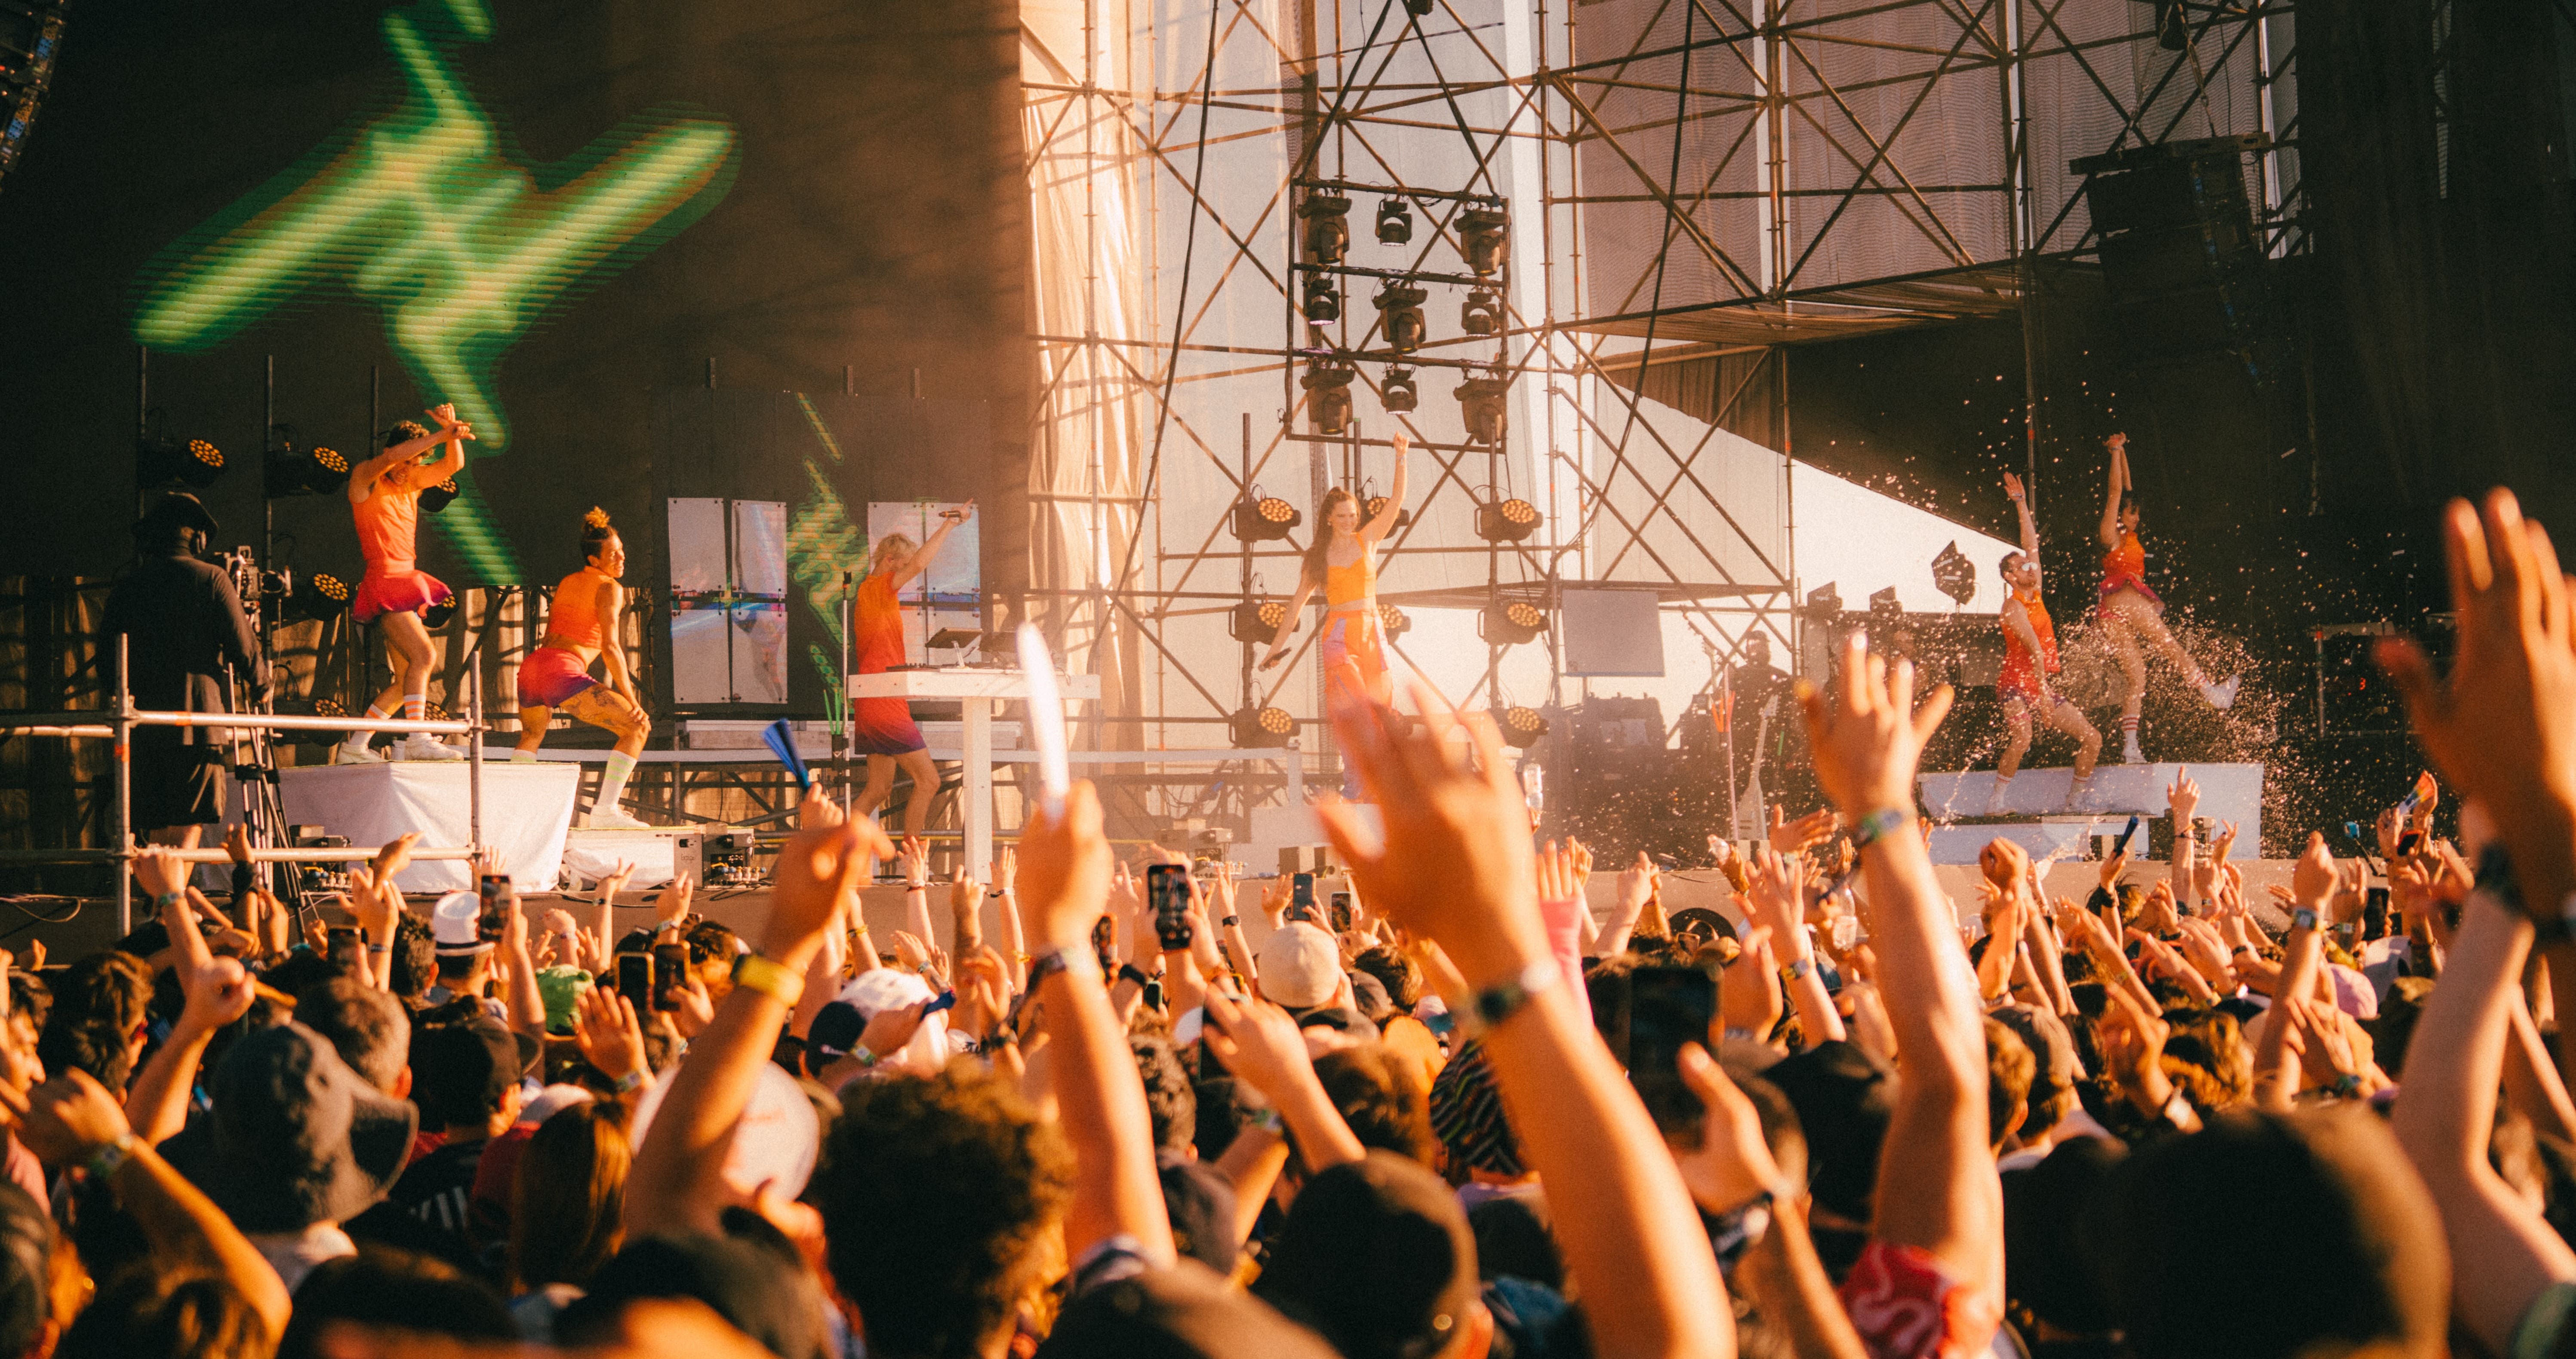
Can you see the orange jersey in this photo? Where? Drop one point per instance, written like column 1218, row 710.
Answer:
column 388, row 528
column 2025, row 675
column 2128, row 561
column 574, row 616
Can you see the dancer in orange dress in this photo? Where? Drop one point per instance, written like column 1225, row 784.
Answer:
column 1342, row 562
column 2030, row 657
column 384, row 498
column 2132, row 615
column 882, row 728
column 581, row 627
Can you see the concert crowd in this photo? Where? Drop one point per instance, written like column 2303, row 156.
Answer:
column 1472, row 1117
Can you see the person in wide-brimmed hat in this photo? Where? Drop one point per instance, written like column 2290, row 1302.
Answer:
column 186, row 638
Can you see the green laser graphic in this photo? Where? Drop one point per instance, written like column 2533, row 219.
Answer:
column 418, row 211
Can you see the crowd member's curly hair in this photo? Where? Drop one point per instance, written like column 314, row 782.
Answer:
column 112, row 988
column 415, row 957
column 938, row 1197
column 1170, row 1100
column 1385, row 1110
column 1400, row 975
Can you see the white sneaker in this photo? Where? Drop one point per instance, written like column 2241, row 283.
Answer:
column 614, row 818
column 349, row 752
column 2222, row 695
column 2080, row 797
column 2129, row 752
column 1995, row 797
column 420, row 745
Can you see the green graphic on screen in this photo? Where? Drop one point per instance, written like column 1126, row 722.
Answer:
column 419, row 212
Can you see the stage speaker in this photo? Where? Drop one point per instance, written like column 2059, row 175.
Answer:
column 2181, row 257
column 1611, row 632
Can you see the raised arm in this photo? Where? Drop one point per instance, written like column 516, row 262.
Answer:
column 1775, row 900
column 1384, row 523
column 2182, row 799
column 2021, row 507
column 362, row 478
column 1937, row 1189
column 2110, row 532
column 218, row 992
column 2312, row 882
column 1455, row 866
column 948, row 522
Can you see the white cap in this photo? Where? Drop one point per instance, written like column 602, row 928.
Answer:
column 456, row 923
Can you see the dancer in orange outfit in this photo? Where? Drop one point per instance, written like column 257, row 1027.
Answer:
column 882, row 728
column 2131, row 613
column 384, row 497
column 1343, row 562
column 581, row 627
column 2030, row 657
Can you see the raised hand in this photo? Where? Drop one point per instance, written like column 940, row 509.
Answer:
column 160, row 872
column 70, row 1117
column 615, row 882
column 1260, row 1043
column 2182, row 798
column 611, row 1038
column 2012, row 487
column 395, row 856
column 2004, row 863
column 1733, row 1162
column 817, row 871
column 2222, row 842
column 1867, row 741
column 1807, row 832
column 671, row 904
column 2313, row 877
column 916, row 862
column 1063, row 873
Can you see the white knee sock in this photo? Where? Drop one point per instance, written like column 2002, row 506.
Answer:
column 415, row 708
column 360, row 740
column 523, row 757
column 612, row 784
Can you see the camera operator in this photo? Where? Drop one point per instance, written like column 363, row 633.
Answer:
column 184, row 626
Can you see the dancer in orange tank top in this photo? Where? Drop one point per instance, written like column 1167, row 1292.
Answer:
column 2030, row 657
column 882, row 728
column 384, row 498
column 2132, row 615
column 582, row 627
column 1342, row 562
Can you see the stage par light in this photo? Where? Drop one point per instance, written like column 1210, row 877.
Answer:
column 1511, row 624
column 1328, row 227
column 1506, row 521
column 1400, row 315
column 1392, row 621
column 1394, row 221
column 175, row 462
column 1481, row 313
column 1521, row 727
column 1398, row 393
column 1480, row 401
column 1328, row 398
column 438, row 497
column 1257, row 621
column 1262, row 518
column 1481, row 232
column 1372, row 505
column 291, row 469
column 1323, row 300
column 319, row 596
column 1262, row 728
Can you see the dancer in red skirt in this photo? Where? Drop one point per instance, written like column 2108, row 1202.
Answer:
column 882, row 728
column 2132, row 615
column 2030, row 657
column 581, row 627
column 384, row 497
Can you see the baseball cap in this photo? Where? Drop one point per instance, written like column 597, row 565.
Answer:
column 1300, row 966
column 455, row 925
column 1186, row 1312
column 1377, row 1258
column 295, row 1136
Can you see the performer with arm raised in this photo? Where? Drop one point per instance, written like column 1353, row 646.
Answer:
column 2131, row 613
column 384, row 497
column 2030, row 657
column 1342, row 561
column 882, row 728
column 581, row 627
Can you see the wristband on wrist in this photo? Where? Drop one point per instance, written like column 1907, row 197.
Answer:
column 162, row 901
column 2345, row 1087
column 1072, row 959
column 110, row 1156
column 1231, row 921
column 1871, row 828
column 2302, row 919
column 1499, row 1002
column 1798, row 970
column 630, row 1080
column 1267, row 1120
column 771, row 979
column 1129, row 972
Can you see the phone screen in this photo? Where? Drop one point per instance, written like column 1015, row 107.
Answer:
column 1167, row 889
column 670, row 965
column 2406, row 843
column 2122, row 846
column 1667, row 1007
column 635, row 979
column 494, row 889
column 1301, row 897
column 1338, row 916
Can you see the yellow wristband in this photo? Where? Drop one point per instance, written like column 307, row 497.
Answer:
column 768, row 978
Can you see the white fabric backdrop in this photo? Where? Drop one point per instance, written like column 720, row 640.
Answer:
column 526, row 809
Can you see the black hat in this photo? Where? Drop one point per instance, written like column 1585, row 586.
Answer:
column 758, row 1286
column 1845, row 1099
column 1376, row 1256
column 176, row 509
column 296, row 1137
column 1186, row 1312
column 477, row 1060
column 1201, row 1204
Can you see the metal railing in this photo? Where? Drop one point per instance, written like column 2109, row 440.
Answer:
column 124, row 717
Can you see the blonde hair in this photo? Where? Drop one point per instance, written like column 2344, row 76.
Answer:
column 888, row 546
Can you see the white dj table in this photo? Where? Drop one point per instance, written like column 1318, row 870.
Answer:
column 976, row 691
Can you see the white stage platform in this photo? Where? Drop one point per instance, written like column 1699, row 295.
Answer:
column 2228, row 792
column 526, row 809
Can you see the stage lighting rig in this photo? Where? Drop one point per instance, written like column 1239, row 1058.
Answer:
column 1399, row 308
column 1521, row 727
column 1328, row 398
column 1323, row 300
column 1262, row 518
column 1954, row 575
column 1328, row 227
column 320, row 596
column 172, row 462
column 1394, row 221
column 1508, row 520
column 1398, row 393
column 1257, row 621
column 1392, row 621
column 290, row 469
column 438, row 497
column 1481, row 232
column 1481, row 313
column 1262, row 728
column 1511, row 624
column 1480, row 401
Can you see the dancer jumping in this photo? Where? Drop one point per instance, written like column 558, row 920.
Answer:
column 882, row 728
column 2030, row 657
column 384, row 497
column 581, row 627
column 1343, row 561
column 2131, row 613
